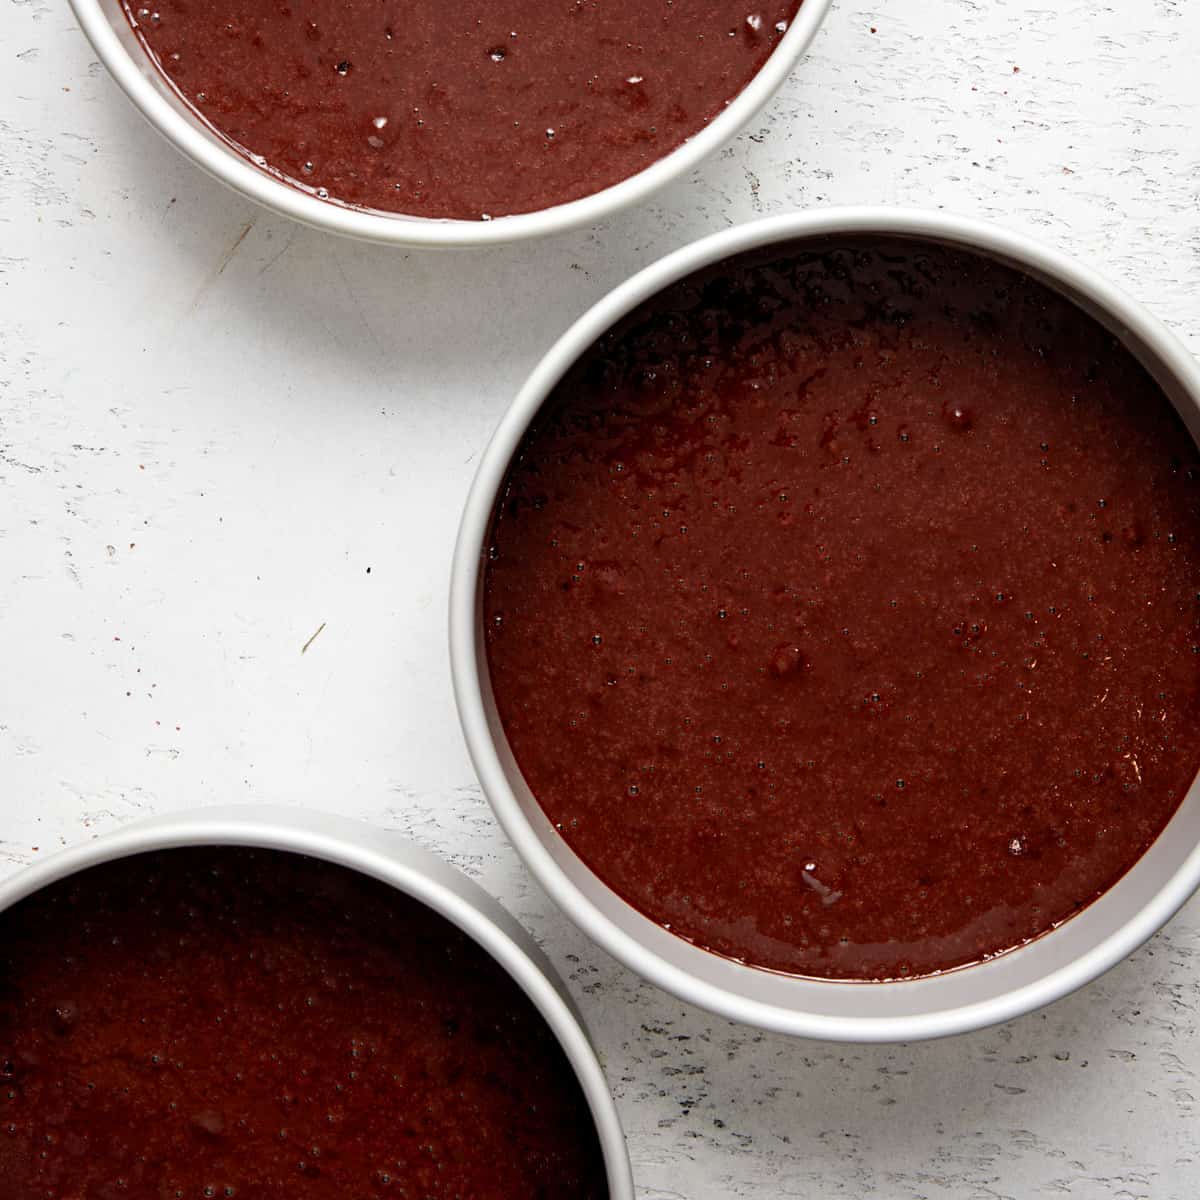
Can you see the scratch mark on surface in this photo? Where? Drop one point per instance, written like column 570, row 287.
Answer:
column 228, row 257
column 358, row 308
column 287, row 245
column 8, row 460
column 304, row 648
column 222, row 263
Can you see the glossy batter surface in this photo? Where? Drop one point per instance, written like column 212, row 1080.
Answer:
column 446, row 110
column 232, row 1023
column 841, row 610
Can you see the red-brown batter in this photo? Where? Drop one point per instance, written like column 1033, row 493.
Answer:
column 447, row 110
column 232, row 1023
column 842, row 610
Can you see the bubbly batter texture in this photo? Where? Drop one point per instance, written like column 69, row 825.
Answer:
column 842, row 613
column 438, row 109
column 234, row 1023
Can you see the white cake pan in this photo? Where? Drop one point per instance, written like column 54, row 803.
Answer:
column 396, row 862
column 964, row 999
column 108, row 29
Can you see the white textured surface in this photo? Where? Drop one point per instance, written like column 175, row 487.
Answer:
column 212, row 423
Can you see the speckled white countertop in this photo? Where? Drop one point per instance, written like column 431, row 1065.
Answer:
column 220, row 431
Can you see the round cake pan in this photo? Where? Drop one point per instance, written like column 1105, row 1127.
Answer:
column 107, row 28
column 967, row 998
column 403, row 866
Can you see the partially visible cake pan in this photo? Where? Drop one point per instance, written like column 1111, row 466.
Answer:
column 109, row 30
column 370, row 853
